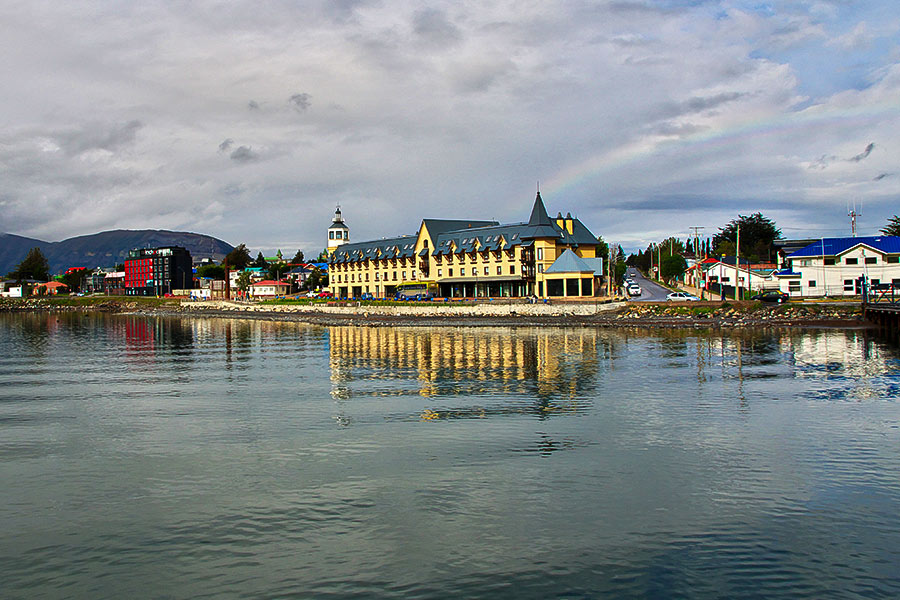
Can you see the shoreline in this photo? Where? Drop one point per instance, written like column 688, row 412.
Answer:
column 710, row 315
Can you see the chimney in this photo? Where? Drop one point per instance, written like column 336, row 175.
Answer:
column 569, row 225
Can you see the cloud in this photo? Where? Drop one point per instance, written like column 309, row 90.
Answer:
column 244, row 154
column 858, row 38
column 881, row 176
column 433, row 27
column 98, row 136
column 301, row 102
column 864, row 154
column 677, row 112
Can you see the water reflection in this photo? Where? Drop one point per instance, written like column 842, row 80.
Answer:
column 551, row 369
column 523, row 463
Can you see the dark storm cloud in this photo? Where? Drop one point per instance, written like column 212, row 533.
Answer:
column 225, row 145
column 432, row 26
column 826, row 159
column 244, row 154
column 98, row 137
column 300, row 101
column 865, row 153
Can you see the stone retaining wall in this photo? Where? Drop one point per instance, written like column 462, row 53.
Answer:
column 479, row 309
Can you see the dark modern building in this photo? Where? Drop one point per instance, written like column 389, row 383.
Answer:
column 158, row 271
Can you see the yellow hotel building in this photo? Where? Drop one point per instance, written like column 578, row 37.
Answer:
column 547, row 258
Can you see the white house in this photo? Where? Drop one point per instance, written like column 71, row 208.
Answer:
column 269, row 288
column 722, row 272
column 837, row 266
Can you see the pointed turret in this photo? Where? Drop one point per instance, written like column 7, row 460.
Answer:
column 539, row 224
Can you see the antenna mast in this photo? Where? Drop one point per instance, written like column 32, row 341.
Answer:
column 851, row 212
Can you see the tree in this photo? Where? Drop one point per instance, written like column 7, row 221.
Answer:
column 673, row 266
column 317, row 279
column 602, row 247
column 757, row 236
column 238, row 258
column 33, row 266
column 276, row 270
column 260, row 262
column 243, row 281
column 298, row 258
column 670, row 246
column 74, row 280
column 211, row 271
column 893, row 226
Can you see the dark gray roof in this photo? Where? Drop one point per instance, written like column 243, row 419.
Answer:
column 438, row 226
column 396, row 247
column 539, row 224
column 488, row 238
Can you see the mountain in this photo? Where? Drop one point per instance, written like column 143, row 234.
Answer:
column 107, row 248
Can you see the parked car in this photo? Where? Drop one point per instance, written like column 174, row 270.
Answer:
column 681, row 297
column 776, row 296
column 633, row 289
column 323, row 295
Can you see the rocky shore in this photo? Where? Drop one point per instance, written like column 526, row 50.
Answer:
column 707, row 315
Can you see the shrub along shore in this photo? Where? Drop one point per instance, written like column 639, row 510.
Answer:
column 486, row 313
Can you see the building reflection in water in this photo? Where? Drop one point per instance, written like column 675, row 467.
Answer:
column 500, row 370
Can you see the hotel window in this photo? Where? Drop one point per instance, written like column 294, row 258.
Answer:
column 829, row 262
column 540, row 254
column 871, row 260
column 404, row 275
column 449, row 272
column 851, row 261
column 848, row 285
column 540, row 268
column 330, row 235
column 893, row 259
column 486, row 271
column 499, row 270
column 512, row 269
column 462, row 272
column 440, row 273
column 395, row 275
column 811, row 283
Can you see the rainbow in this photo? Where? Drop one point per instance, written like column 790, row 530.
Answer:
column 709, row 141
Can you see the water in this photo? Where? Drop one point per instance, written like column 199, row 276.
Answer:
column 210, row 458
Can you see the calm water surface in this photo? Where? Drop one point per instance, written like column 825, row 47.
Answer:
column 166, row 458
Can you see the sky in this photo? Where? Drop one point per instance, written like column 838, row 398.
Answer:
column 251, row 121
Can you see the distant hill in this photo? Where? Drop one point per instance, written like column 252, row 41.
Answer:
column 107, row 248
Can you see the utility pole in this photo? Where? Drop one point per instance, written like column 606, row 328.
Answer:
column 696, row 231
column 737, row 262
column 659, row 262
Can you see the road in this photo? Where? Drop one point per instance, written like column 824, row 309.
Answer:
column 651, row 292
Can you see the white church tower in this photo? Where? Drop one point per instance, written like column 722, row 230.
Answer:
column 338, row 233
